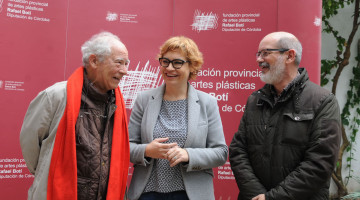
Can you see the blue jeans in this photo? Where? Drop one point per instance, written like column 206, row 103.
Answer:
column 178, row 195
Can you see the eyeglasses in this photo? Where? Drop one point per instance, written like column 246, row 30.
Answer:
column 265, row 52
column 176, row 63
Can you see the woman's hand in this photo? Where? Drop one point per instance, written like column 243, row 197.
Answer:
column 177, row 155
column 157, row 149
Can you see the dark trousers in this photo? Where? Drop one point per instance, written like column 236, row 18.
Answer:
column 178, row 195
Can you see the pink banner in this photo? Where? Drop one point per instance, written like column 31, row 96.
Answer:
column 40, row 45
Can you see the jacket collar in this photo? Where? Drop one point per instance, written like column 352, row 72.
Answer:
column 159, row 93
column 193, row 111
column 193, row 114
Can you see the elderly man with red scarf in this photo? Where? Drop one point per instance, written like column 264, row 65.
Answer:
column 74, row 137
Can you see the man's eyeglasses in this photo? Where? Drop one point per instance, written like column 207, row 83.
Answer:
column 176, row 63
column 265, row 52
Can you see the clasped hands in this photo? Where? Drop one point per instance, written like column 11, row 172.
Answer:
column 170, row 151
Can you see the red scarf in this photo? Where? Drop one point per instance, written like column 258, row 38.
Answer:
column 62, row 180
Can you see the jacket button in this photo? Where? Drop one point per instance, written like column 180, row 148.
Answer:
column 297, row 118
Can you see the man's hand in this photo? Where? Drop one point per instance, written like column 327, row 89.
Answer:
column 156, row 148
column 259, row 197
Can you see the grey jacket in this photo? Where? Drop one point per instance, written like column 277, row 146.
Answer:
column 287, row 149
column 37, row 135
column 205, row 143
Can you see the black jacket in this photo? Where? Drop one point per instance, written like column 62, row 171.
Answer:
column 287, row 149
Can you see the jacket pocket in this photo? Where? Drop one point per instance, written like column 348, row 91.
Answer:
column 295, row 128
column 199, row 137
column 87, row 188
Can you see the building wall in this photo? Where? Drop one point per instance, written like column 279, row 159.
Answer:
column 343, row 23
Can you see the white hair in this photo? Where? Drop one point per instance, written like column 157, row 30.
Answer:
column 99, row 45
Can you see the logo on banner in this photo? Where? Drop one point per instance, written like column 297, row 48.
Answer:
column 110, row 16
column 204, row 21
column 317, row 21
column 137, row 81
column 1, row 83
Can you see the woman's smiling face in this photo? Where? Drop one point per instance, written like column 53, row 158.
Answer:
column 174, row 76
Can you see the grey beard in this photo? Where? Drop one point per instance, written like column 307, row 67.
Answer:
column 275, row 73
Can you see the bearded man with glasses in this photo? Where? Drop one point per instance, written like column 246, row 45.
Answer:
column 288, row 139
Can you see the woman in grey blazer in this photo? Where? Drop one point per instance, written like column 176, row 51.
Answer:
column 176, row 134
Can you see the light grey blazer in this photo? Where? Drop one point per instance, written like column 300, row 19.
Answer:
column 205, row 142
